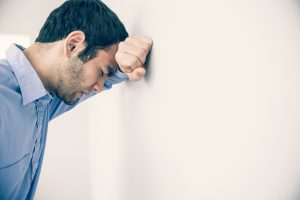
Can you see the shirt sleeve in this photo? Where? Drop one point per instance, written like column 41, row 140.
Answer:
column 58, row 107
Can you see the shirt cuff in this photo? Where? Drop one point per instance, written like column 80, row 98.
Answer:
column 118, row 73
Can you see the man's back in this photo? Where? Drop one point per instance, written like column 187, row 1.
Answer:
column 23, row 125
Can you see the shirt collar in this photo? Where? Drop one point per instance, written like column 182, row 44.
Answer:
column 30, row 84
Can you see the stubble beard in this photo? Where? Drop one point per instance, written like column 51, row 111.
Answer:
column 69, row 83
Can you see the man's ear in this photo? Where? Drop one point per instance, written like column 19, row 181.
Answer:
column 74, row 43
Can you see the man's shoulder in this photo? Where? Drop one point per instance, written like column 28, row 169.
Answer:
column 6, row 72
column 9, row 86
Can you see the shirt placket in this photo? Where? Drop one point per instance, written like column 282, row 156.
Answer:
column 40, row 109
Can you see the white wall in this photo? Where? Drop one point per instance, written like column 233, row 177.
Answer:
column 217, row 118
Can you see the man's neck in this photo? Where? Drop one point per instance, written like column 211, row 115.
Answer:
column 39, row 57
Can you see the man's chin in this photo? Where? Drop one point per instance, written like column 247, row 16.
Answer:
column 70, row 102
column 71, row 99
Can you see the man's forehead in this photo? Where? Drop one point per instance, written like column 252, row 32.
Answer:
column 108, row 58
column 112, row 66
column 112, row 60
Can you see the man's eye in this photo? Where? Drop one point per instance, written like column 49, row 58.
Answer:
column 100, row 73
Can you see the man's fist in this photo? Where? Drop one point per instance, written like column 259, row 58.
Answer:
column 131, row 56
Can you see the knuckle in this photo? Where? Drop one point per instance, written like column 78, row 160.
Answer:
column 128, row 39
column 124, row 63
column 117, row 54
column 127, row 63
column 131, row 61
column 141, row 56
column 144, row 48
column 149, row 42
column 121, row 45
column 118, row 57
column 136, row 62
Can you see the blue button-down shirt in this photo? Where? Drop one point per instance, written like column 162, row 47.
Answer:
column 26, row 107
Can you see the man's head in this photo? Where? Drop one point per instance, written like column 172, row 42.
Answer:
column 85, row 34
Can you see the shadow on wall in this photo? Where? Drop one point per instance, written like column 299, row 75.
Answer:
column 148, row 68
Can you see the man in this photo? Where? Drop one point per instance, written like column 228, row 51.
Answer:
column 82, row 49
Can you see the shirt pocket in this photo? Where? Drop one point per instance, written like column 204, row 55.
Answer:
column 11, row 177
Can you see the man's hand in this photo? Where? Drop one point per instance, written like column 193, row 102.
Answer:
column 131, row 56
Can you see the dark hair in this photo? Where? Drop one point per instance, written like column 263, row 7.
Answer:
column 101, row 26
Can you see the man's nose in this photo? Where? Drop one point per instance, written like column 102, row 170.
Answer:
column 98, row 86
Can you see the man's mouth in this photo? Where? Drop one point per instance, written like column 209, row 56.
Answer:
column 85, row 92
